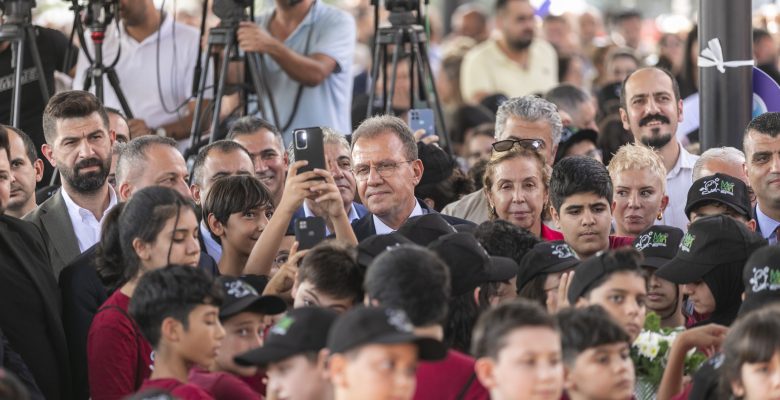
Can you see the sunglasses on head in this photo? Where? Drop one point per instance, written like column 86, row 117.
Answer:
column 508, row 144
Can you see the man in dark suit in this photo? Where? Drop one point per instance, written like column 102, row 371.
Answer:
column 78, row 144
column 762, row 151
column 387, row 169
column 30, row 316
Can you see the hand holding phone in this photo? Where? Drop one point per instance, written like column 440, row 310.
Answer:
column 422, row 118
column 308, row 145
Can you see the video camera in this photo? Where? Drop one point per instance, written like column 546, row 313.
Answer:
column 231, row 12
column 17, row 11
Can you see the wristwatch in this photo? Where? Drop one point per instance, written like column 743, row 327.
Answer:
column 161, row 132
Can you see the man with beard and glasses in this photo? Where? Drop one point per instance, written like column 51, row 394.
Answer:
column 78, row 144
column 514, row 63
column 651, row 108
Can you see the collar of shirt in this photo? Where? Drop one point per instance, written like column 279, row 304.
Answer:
column 212, row 247
column 309, row 19
column 77, row 213
column 166, row 29
column 383, row 229
column 768, row 225
column 351, row 214
column 685, row 160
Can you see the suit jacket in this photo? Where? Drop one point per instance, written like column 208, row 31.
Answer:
column 23, row 249
column 364, row 227
column 53, row 220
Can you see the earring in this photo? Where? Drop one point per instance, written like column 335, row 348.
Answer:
column 660, row 216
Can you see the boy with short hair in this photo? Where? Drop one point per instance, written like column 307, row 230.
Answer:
column 374, row 354
column 242, row 314
column 329, row 276
column 293, row 355
column 177, row 310
column 596, row 355
column 518, row 330
column 237, row 209
column 616, row 281
column 581, row 206
column 720, row 194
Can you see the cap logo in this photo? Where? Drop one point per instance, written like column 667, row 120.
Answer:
column 652, row 239
column 282, row 326
column 239, row 289
column 399, row 320
column 562, row 251
column 717, row 186
column 765, row 279
column 687, row 242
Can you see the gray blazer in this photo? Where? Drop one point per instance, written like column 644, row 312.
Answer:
column 52, row 218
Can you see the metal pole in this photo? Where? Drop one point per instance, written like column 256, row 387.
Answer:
column 726, row 99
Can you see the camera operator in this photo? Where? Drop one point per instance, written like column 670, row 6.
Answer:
column 53, row 47
column 154, row 87
column 307, row 46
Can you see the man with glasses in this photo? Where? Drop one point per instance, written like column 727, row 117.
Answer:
column 387, row 169
column 527, row 121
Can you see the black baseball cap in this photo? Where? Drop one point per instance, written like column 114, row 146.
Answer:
column 424, row 229
column 710, row 242
column 720, row 188
column 469, row 263
column 302, row 330
column 761, row 277
column 545, row 258
column 240, row 296
column 379, row 325
column 371, row 247
column 588, row 272
column 658, row 244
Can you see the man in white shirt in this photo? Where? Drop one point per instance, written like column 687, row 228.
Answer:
column 155, row 69
column 762, row 150
column 78, row 144
column 651, row 108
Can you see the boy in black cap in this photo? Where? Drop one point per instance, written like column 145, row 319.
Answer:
column 615, row 281
column 542, row 270
column 424, row 229
column 293, row 355
column 374, row 354
column 720, row 194
column 242, row 314
column 329, row 276
column 658, row 244
column 177, row 310
column 709, row 265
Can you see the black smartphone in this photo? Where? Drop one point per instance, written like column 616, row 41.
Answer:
column 422, row 118
column 307, row 145
column 309, row 231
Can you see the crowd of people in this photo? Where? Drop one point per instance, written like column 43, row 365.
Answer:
column 561, row 240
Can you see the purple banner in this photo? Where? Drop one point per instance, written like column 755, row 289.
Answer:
column 766, row 93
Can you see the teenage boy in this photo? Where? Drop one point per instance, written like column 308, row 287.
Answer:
column 581, row 198
column 374, row 354
column 596, row 355
column 242, row 314
column 720, row 194
column 293, row 355
column 518, row 330
column 237, row 209
column 329, row 276
column 658, row 245
column 615, row 281
column 177, row 310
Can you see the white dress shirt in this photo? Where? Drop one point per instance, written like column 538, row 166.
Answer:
column 678, row 182
column 85, row 226
column 383, row 229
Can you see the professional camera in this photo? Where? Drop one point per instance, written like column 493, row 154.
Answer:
column 231, row 12
column 17, row 11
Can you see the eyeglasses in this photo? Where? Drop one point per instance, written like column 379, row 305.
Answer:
column 508, row 144
column 384, row 169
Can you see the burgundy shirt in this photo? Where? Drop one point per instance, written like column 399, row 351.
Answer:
column 445, row 379
column 223, row 385
column 183, row 391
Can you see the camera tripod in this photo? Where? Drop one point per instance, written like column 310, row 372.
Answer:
column 18, row 30
column 389, row 44
column 225, row 37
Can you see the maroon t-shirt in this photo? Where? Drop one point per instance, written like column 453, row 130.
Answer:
column 616, row 242
column 445, row 379
column 222, row 385
column 182, row 391
column 118, row 356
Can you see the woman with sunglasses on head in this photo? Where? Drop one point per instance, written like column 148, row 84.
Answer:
column 157, row 227
column 516, row 185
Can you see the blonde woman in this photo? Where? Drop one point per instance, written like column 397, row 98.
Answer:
column 639, row 182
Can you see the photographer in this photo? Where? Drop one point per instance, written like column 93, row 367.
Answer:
column 307, row 46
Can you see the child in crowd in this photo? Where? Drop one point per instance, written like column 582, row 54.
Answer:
column 237, row 209
column 581, row 206
column 177, row 310
column 596, row 355
column 615, row 281
column 374, row 354
column 242, row 314
column 329, row 276
column 658, row 245
column 541, row 273
column 518, row 351
column 293, row 355
column 720, row 194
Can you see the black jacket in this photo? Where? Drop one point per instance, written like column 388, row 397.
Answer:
column 364, row 227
